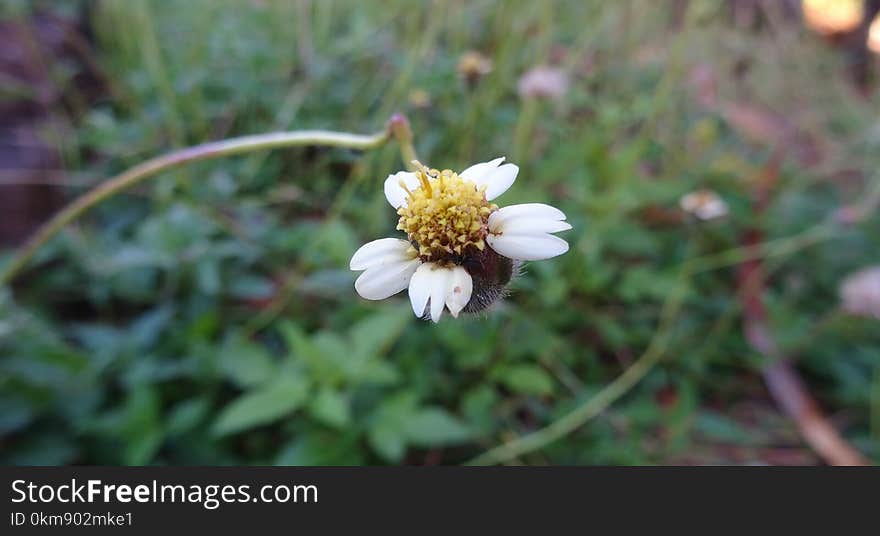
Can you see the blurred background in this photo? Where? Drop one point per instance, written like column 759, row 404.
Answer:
column 717, row 160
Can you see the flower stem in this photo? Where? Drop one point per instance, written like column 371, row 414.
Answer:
column 402, row 132
column 206, row 151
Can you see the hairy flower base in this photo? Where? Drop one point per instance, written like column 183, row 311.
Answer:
column 491, row 274
column 445, row 217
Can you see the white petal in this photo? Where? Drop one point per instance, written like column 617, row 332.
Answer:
column 380, row 282
column 458, row 294
column 420, row 289
column 532, row 226
column 476, row 171
column 380, row 252
column 440, row 278
column 527, row 247
column 449, row 287
column 528, row 210
column 711, row 210
column 393, row 191
column 498, row 181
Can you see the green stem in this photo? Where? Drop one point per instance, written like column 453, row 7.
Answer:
column 402, row 132
column 152, row 167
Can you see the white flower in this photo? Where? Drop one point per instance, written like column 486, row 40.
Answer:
column 473, row 65
column 860, row 292
column 461, row 249
column 704, row 204
column 543, row 82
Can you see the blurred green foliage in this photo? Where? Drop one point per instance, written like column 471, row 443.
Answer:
column 210, row 318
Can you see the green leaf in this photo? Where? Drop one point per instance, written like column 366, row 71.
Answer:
column 187, row 415
column 337, row 241
column 387, row 442
column 316, row 448
column 527, row 379
column 327, row 356
column 721, row 428
column 330, row 346
column 245, row 363
column 386, row 433
column 295, row 338
column 378, row 373
column 149, row 327
column 323, row 353
column 331, row 408
column 263, row 405
column 372, row 336
column 141, row 428
column 52, row 448
column 142, row 448
column 208, row 276
column 14, row 414
column 478, row 405
column 434, row 426
column 643, row 283
column 252, row 287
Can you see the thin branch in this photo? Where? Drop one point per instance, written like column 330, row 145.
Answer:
column 206, row 151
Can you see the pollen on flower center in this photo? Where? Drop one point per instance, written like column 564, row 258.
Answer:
column 445, row 216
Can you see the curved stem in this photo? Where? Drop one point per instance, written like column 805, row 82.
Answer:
column 154, row 166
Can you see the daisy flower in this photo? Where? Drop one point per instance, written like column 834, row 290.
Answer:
column 860, row 292
column 473, row 65
column 704, row 204
column 461, row 249
column 544, row 82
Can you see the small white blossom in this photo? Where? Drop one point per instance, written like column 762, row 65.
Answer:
column 704, row 204
column 860, row 292
column 473, row 65
column 544, row 82
column 461, row 250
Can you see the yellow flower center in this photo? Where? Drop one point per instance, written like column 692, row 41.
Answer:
column 445, row 216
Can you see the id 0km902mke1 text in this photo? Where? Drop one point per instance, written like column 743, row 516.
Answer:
column 70, row 519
